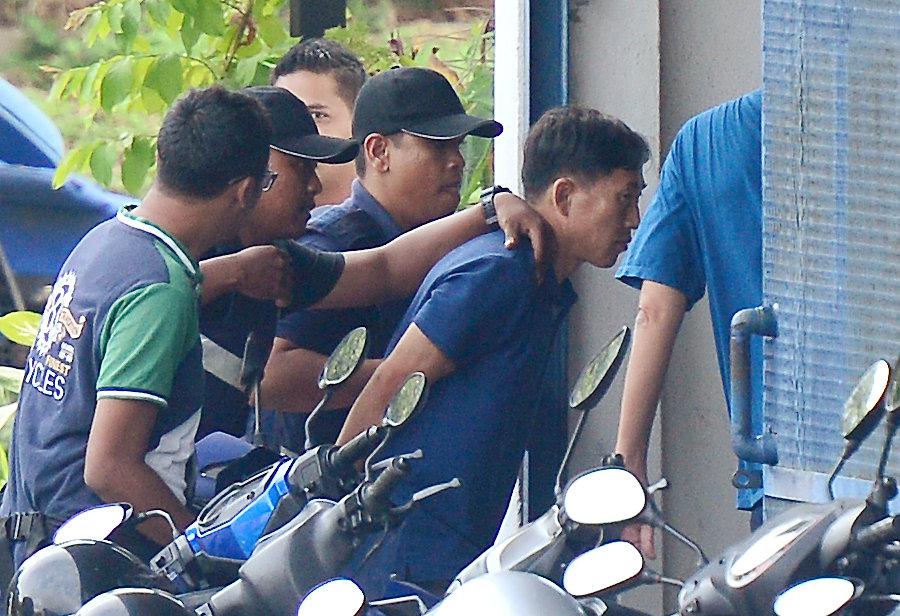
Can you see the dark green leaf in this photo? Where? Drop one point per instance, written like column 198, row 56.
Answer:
column 102, row 160
column 189, row 33
column 209, row 17
column 165, row 77
column 131, row 21
column 116, row 85
column 244, row 71
column 187, row 7
column 158, row 10
column 139, row 158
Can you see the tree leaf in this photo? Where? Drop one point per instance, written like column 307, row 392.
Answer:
column 185, row 6
column 102, row 160
column 244, row 71
column 131, row 21
column 165, row 76
column 114, row 15
column 271, row 30
column 209, row 17
column 158, row 11
column 72, row 162
column 21, row 326
column 139, row 157
column 189, row 33
column 59, row 84
column 116, row 84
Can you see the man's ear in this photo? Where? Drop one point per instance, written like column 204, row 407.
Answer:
column 247, row 193
column 561, row 192
column 378, row 153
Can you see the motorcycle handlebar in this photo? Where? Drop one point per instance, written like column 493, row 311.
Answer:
column 375, row 495
column 883, row 531
column 357, row 449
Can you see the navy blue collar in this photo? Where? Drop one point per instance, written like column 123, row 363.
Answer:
column 363, row 199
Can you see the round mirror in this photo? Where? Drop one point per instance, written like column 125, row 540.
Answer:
column 599, row 371
column 94, row 523
column 345, row 358
column 604, row 496
column 860, row 409
column 892, row 397
column 817, row 597
column 338, row 597
column 408, row 398
column 603, row 568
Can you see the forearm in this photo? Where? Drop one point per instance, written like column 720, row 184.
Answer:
column 136, row 483
column 370, row 405
column 291, row 380
column 659, row 317
column 221, row 275
column 395, row 270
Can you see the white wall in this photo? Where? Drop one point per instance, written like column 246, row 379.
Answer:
column 654, row 64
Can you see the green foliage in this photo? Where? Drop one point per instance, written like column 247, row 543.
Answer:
column 162, row 48
column 20, row 327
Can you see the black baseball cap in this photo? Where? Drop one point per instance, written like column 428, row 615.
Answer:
column 294, row 131
column 417, row 101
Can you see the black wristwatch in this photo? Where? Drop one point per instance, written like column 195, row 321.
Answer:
column 487, row 204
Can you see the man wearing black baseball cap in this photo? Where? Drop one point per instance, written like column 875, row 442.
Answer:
column 410, row 124
column 240, row 282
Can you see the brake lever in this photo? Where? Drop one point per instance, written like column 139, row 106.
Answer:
column 426, row 493
column 661, row 484
column 415, row 455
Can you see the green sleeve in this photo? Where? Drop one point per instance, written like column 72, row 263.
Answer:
column 146, row 335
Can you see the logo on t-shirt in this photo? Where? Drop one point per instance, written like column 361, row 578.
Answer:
column 48, row 375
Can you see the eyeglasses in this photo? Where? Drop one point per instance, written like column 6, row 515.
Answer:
column 268, row 179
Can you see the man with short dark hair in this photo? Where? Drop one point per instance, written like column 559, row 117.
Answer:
column 114, row 381
column 481, row 329
column 410, row 124
column 241, row 277
column 327, row 77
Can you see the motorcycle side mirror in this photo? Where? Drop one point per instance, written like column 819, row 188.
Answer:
column 817, row 597
column 604, row 496
column 340, row 366
column 345, row 359
column 592, row 383
column 596, row 376
column 408, row 399
column 603, row 568
column 864, row 405
column 94, row 523
column 892, row 397
column 337, row 597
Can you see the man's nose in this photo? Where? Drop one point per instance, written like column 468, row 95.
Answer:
column 315, row 184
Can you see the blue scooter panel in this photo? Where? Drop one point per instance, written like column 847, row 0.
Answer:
column 232, row 523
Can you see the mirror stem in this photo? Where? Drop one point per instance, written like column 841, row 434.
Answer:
column 890, row 431
column 563, row 466
column 307, row 427
column 702, row 560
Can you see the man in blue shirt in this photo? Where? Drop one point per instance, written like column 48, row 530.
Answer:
column 481, row 328
column 408, row 173
column 702, row 231
column 239, row 284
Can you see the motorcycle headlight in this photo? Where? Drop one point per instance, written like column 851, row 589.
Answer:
column 766, row 550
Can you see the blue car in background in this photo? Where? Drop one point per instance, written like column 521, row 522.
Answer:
column 39, row 226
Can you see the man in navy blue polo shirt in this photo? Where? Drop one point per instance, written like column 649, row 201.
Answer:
column 114, row 381
column 481, row 328
column 239, row 284
column 702, row 231
column 409, row 171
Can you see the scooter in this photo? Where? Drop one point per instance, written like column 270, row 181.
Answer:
column 818, row 559
column 522, row 593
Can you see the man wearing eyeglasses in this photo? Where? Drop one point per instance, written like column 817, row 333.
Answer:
column 239, row 284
